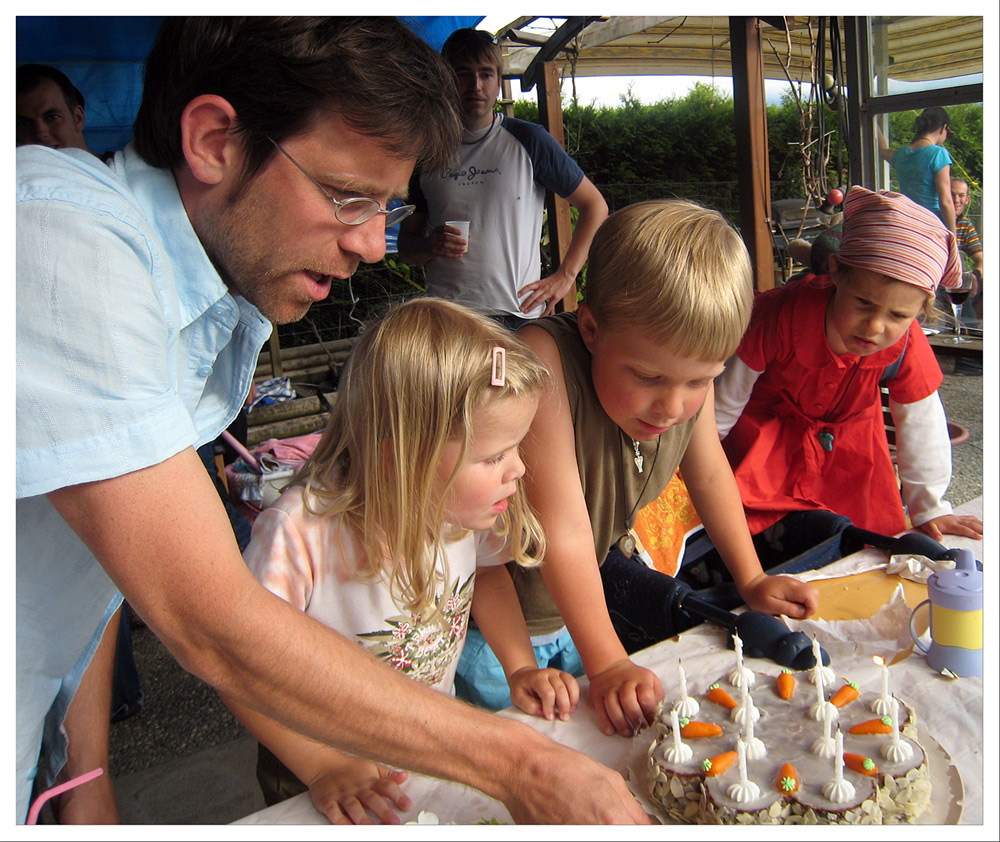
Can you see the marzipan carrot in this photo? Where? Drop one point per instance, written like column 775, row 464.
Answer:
column 691, row 729
column 882, row 725
column 847, row 693
column 713, row 766
column 788, row 779
column 861, row 764
column 720, row 697
column 785, row 684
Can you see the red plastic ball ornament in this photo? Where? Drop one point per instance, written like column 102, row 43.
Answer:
column 835, row 196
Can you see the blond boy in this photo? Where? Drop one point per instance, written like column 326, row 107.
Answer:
column 668, row 297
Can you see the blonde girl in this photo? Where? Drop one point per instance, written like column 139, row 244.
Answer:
column 411, row 497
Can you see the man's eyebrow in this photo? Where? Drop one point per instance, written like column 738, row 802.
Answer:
column 354, row 184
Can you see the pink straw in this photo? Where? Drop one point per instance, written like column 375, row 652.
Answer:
column 235, row 444
column 36, row 808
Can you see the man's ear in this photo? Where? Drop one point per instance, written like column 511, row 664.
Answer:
column 587, row 325
column 79, row 118
column 210, row 147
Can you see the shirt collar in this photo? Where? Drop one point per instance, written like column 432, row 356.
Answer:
column 197, row 280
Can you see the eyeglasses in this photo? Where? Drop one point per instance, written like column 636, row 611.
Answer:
column 358, row 209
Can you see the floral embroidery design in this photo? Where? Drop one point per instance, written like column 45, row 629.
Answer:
column 425, row 651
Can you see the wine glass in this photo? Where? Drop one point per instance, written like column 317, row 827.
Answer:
column 957, row 296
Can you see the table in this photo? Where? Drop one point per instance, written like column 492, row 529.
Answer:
column 939, row 342
column 852, row 590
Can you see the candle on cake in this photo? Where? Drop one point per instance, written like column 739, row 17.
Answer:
column 819, row 671
column 741, row 675
column 755, row 745
column 838, row 789
column 679, row 752
column 882, row 703
column 896, row 750
column 821, row 707
column 744, row 790
column 825, row 746
column 746, row 709
column 688, row 705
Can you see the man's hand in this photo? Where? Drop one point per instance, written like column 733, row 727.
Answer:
column 445, row 241
column 781, row 595
column 967, row 525
column 625, row 697
column 347, row 794
column 544, row 692
column 562, row 786
column 548, row 291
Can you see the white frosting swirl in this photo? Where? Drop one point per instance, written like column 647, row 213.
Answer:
column 882, row 705
column 739, row 677
column 824, row 673
column 824, row 746
column 897, row 752
column 821, row 709
column 755, row 748
column 688, row 706
column 838, row 791
column 680, row 753
column 744, row 792
column 741, row 712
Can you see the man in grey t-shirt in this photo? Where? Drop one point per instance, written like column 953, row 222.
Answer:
column 497, row 183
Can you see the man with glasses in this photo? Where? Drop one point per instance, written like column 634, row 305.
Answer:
column 497, row 182
column 265, row 153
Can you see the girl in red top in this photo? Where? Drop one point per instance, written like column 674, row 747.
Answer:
column 799, row 406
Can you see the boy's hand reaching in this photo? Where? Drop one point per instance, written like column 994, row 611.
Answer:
column 544, row 692
column 347, row 793
column 781, row 595
column 625, row 697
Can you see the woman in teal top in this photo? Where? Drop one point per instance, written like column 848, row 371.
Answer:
column 923, row 166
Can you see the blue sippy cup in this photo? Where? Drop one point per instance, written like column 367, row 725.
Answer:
column 956, row 600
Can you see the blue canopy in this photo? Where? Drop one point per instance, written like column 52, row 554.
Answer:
column 103, row 57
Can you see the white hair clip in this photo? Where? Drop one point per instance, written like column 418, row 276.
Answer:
column 499, row 374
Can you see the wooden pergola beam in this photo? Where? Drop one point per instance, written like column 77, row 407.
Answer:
column 750, row 109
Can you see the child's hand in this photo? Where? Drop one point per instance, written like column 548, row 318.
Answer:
column 543, row 692
column 625, row 697
column 971, row 527
column 345, row 794
column 781, row 595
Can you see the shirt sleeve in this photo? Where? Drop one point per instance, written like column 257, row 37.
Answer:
column 942, row 158
column 757, row 346
column 732, row 393
column 919, row 374
column 96, row 359
column 279, row 557
column 553, row 168
column 923, row 456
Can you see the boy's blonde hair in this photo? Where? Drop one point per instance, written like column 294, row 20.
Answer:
column 676, row 271
column 412, row 383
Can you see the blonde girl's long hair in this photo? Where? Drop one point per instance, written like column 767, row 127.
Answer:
column 413, row 381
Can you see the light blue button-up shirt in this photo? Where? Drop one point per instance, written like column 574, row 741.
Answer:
column 129, row 350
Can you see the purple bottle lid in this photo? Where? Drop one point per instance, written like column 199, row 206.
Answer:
column 960, row 589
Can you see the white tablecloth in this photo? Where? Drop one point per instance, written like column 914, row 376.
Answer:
column 951, row 709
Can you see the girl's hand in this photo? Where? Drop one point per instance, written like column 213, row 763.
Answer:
column 967, row 525
column 544, row 692
column 781, row 595
column 347, row 794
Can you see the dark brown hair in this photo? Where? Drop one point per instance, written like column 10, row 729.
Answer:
column 281, row 73
column 475, row 45
column 30, row 76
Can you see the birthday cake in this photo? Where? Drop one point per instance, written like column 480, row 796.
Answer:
column 782, row 749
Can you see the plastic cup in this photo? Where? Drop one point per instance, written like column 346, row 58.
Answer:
column 463, row 227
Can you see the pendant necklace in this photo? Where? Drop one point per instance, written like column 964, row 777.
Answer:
column 486, row 134
column 825, row 435
column 627, row 543
column 638, row 456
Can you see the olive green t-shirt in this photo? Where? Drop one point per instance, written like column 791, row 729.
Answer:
column 612, row 485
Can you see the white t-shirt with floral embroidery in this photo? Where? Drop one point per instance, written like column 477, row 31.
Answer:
column 309, row 562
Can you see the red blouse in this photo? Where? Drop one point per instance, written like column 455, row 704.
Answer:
column 804, row 390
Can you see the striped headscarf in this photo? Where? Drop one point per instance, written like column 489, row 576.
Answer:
column 890, row 234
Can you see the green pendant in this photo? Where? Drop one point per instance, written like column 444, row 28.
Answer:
column 826, row 439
